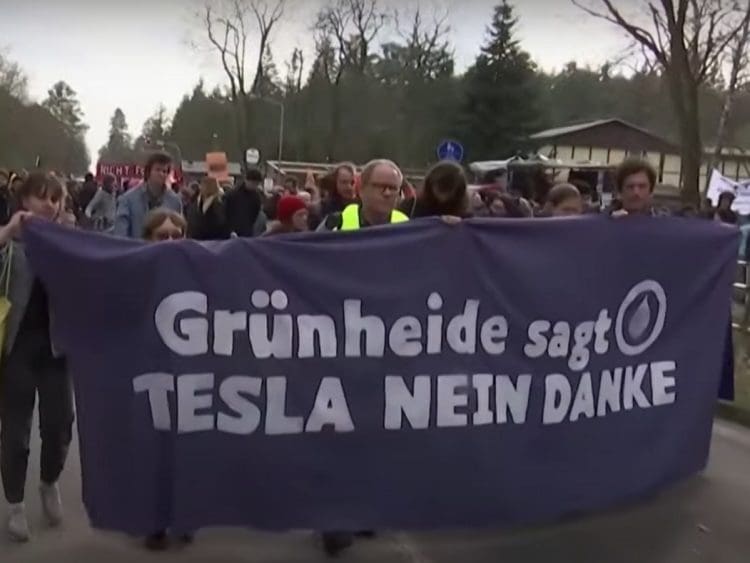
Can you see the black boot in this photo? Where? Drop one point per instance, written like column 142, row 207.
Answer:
column 336, row 542
column 158, row 541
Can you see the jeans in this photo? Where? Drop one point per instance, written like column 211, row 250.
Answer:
column 30, row 369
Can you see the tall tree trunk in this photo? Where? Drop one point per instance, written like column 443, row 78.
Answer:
column 721, row 133
column 333, row 142
column 692, row 149
column 684, row 94
column 240, row 104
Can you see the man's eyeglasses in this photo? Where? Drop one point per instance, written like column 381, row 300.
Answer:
column 383, row 188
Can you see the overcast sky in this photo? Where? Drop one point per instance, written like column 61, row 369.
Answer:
column 136, row 54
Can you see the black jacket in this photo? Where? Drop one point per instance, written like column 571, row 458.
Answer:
column 86, row 194
column 242, row 209
column 415, row 208
column 270, row 205
column 6, row 205
column 209, row 225
column 334, row 204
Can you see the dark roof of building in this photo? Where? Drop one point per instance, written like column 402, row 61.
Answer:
column 560, row 132
column 566, row 129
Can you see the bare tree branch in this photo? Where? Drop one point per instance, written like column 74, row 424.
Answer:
column 738, row 61
column 334, row 21
column 229, row 30
column 614, row 16
column 721, row 44
column 688, row 40
column 354, row 24
column 661, row 28
column 222, row 47
column 266, row 18
column 422, row 39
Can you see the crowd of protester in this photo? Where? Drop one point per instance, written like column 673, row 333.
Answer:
column 344, row 200
column 216, row 212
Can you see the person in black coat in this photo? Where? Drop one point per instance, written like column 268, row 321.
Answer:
column 207, row 217
column 244, row 205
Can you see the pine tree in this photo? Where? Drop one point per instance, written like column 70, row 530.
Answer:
column 294, row 69
column 269, row 82
column 204, row 121
column 156, row 127
column 13, row 81
column 119, row 147
column 499, row 108
column 62, row 103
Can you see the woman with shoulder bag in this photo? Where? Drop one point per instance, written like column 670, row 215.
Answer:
column 31, row 365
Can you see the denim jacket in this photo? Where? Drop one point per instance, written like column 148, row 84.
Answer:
column 19, row 293
column 133, row 207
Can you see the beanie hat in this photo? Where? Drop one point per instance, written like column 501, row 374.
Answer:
column 289, row 205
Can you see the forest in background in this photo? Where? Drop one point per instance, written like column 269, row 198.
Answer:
column 358, row 97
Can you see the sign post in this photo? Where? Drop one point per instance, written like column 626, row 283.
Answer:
column 252, row 157
column 450, row 150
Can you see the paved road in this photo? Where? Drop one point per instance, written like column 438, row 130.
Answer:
column 706, row 519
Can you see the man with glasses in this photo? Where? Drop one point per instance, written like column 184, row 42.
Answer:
column 380, row 185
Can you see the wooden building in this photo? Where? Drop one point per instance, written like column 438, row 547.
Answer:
column 610, row 141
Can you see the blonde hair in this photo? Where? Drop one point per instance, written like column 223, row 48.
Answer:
column 158, row 217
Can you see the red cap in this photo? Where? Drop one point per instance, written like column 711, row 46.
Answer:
column 289, row 205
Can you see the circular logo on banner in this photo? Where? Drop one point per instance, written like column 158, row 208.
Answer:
column 641, row 317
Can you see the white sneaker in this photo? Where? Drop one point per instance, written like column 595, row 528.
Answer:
column 51, row 503
column 18, row 525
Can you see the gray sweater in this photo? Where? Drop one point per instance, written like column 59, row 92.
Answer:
column 102, row 208
column 19, row 293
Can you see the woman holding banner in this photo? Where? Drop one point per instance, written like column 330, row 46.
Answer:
column 31, row 364
column 164, row 225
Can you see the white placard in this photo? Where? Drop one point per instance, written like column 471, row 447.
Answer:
column 741, row 190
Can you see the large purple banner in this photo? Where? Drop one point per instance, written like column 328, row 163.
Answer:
column 419, row 376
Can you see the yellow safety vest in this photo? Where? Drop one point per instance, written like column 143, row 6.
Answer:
column 350, row 217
